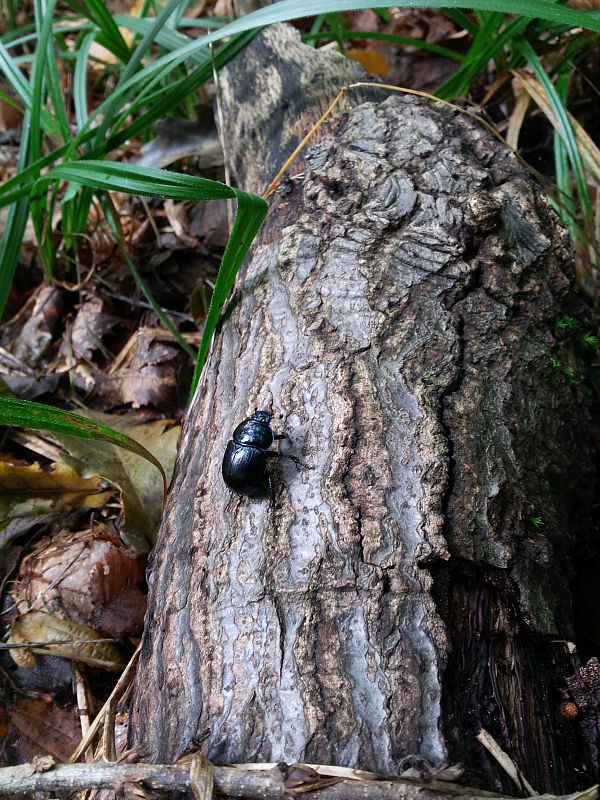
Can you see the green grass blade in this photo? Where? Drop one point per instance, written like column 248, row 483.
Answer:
column 36, row 416
column 335, row 26
column 566, row 133
column 80, row 79
column 110, row 37
column 250, row 215
column 12, row 236
column 566, row 208
column 113, row 176
column 44, row 22
column 462, row 21
column 142, row 284
column 132, row 67
column 390, row 37
column 53, row 80
column 487, row 43
column 21, row 87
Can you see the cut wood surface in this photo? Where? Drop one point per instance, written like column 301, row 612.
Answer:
column 396, row 317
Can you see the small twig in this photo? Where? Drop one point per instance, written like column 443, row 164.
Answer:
column 83, row 709
column 229, row 781
column 120, row 687
column 506, row 762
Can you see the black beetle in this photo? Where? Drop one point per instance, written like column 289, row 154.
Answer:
column 245, row 461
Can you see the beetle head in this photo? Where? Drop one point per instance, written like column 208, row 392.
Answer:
column 262, row 416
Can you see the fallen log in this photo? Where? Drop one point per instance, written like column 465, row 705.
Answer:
column 397, row 318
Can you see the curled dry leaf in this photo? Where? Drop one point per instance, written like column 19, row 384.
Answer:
column 91, row 576
column 144, row 375
column 50, row 635
column 139, row 481
column 37, row 331
column 27, row 491
column 92, row 323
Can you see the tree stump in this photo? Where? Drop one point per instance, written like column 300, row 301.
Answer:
column 397, row 318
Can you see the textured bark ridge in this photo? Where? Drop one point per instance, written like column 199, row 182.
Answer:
column 396, row 317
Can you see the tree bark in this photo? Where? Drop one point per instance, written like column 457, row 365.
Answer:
column 397, row 318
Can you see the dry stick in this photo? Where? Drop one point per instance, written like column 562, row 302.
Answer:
column 120, row 687
column 505, row 761
column 232, row 782
column 83, row 709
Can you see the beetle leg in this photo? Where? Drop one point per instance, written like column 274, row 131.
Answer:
column 277, row 454
column 271, row 492
column 280, row 436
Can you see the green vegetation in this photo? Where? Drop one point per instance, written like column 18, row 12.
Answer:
column 162, row 68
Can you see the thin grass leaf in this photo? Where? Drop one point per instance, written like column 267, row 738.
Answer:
column 80, row 79
column 168, row 39
column 248, row 220
column 207, row 23
column 106, row 207
column 566, row 132
column 21, row 87
column 36, row 416
column 461, row 20
column 286, row 10
column 12, row 236
column 109, row 36
column 566, row 207
column 590, row 153
column 38, row 203
column 132, row 66
column 390, row 37
column 10, row 101
column 113, row 176
column 15, row 39
column 52, row 79
column 335, row 26
column 488, row 42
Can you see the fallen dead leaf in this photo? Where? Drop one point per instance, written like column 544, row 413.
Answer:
column 27, row 491
column 372, row 62
column 139, row 482
column 37, row 330
column 92, row 323
column 49, row 635
column 36, row 727
column 91, row 576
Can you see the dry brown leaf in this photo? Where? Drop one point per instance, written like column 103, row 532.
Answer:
column 139, row 481
column 177, row 216
column 91, row 576
column 516, row 120
column 90, row 326
column 37, row 330
column 371, row 61
column 146, row 376
column 49, row 635
column 31, row 490
column 36, row 727
column 584, row 5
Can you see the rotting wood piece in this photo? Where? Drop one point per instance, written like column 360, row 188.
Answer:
column 396, row 317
